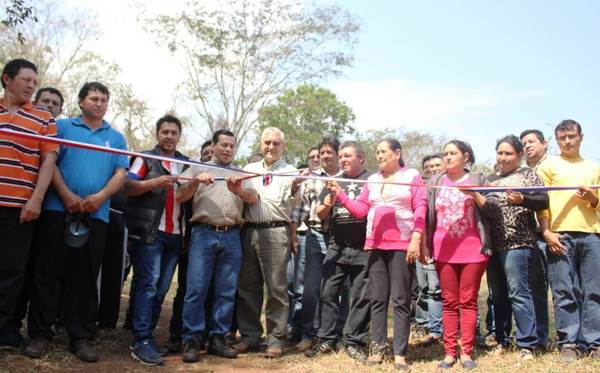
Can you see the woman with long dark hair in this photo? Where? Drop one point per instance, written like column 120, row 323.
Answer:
column 514, row 233
column 457, row 233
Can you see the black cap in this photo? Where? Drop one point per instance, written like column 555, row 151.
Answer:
column 77, row 230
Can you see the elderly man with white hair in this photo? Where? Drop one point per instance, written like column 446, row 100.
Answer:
column 266, row 247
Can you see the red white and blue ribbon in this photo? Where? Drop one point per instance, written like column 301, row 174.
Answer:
column 267, row 178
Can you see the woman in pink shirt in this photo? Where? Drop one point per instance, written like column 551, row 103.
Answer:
column 395, row 221
column 457, row 232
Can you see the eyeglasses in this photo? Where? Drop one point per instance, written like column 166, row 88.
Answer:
column 274, row 143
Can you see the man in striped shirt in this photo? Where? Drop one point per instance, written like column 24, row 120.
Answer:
column 155, row 222
column 26, row 168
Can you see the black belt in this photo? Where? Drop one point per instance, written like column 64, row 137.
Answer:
column 271, row 224
column 216, row 228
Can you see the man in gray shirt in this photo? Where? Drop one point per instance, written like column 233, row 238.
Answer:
column 214, row 248
column 266, row 248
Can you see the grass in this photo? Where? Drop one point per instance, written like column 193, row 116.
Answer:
column 115, row 357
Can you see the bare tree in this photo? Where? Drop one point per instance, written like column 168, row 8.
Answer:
column 245, row 53
column 60, row 46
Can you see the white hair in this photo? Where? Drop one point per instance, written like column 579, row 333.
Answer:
column 274, row 130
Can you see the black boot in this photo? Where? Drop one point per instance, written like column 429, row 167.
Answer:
column 217, row 346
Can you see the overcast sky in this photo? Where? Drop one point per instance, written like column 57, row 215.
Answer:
column 475, row 70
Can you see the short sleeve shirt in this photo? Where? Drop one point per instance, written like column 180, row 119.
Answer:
column 20, row 158
column 348, row 233
column 214, row 204
column 84, row 171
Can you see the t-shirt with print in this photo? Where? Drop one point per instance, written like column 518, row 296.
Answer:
column 456, row 239
column 346, row 229
column 173, row 213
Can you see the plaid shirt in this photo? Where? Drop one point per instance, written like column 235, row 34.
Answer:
column 307, row 210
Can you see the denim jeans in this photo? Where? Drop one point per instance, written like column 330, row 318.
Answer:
column 218, row 253
column 154, row 267
column 295, row 277
column 316, row 248
column 431, row 293
column 575, row 285
column 538, row 282
column 508, row 274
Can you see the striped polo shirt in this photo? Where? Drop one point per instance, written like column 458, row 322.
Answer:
column 20, row 158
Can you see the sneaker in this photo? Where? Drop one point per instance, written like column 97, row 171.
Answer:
column 162, row 351
column 218, row 347
column 145, row 353
column 356, row 353
column 191, row 351
column 321, row 348
column 84, row 351
column 36, row 348
column 173, row 345
column 568, row 355
column 11, row 339
column 376, row 353
column 525, row 354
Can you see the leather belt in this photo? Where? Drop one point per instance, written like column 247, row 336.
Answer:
column 271, row 224
column 216, row 228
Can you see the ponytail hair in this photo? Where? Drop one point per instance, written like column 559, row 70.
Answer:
column 395, row 145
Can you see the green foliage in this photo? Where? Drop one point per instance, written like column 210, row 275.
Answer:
column 415, row 145
column 16, row 14
column 305, row 114
column 241, row 54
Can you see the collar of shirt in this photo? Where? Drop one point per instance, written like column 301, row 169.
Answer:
column 274, row 166
column 26, row 106
column 79, row 122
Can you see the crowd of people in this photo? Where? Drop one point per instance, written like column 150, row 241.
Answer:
column 327, row 248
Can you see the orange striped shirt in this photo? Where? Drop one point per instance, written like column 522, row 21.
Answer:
column 20, row 158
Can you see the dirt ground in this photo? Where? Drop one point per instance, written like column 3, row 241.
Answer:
column 115, row 358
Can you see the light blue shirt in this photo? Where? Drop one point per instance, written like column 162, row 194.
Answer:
column 87, row 171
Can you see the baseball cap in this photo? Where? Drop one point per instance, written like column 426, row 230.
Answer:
column 77, row 229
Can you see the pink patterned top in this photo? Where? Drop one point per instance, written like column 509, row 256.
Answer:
column 456, row 239
column 393, row 211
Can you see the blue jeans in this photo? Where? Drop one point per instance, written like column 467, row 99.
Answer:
column 295, row 277
column 218, row 253
column 429, row 285
column 538, row 282
column 508, row 274
column 575, row 285
column 316, row 248
column 154, row 265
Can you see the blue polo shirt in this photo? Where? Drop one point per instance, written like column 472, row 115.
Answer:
column 86, row 171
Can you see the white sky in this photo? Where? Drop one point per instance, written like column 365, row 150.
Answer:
column 456, row 75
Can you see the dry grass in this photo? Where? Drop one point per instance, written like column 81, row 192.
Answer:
column 115, row 358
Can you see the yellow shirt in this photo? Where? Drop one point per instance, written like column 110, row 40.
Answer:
column 567, row 212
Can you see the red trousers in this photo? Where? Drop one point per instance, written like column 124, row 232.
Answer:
column 460, row 287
